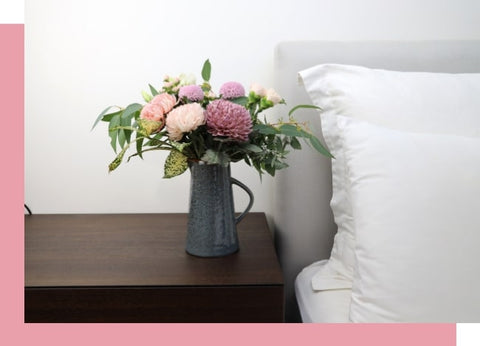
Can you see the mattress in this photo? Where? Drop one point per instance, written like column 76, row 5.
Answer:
column 327, row 306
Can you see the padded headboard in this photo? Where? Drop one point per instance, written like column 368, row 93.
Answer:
column 304, row 226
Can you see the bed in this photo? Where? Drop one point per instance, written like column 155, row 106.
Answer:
column 396, row 238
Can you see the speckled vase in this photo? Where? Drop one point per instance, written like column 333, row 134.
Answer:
column 212, row 223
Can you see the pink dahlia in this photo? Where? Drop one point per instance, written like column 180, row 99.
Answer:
column 164, row 100
column 184, row 119
column 191, row 92
column 231, row 90
column 228, row 119
column 157, row 108
column 152, row 112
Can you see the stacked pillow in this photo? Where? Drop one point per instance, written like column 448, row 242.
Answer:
column 405, row 181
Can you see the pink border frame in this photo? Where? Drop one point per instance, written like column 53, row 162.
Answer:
column 12, row 255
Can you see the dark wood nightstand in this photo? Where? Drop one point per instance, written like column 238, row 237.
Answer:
column 133, row 268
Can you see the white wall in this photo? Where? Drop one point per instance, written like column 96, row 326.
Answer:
column 83, row 55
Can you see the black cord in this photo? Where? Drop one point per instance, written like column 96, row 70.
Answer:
column 28, row 209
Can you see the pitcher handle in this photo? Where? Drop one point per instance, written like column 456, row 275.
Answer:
column 250, row 194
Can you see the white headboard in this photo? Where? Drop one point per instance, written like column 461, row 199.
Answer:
column 304, row 226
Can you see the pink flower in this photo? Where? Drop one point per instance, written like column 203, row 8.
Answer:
column 191, row 92
column 231, row 90
column 152, row 112
column 184, row 119
column 227, row 119
column 157, row 108
column 166, row 101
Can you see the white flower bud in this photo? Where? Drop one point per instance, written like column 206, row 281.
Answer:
column 187, row 79
column 257, row 89
column 273, row 97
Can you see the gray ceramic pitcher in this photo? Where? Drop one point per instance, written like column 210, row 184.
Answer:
column 212, row 223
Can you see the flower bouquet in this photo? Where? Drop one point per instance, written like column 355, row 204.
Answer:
column 205, row 132
column 195, row 124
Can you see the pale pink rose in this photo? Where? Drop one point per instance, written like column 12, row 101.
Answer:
column 158, row 107
column 152, row 112
column 184, row 119
column 166, row 101
column 273, row 96
column 257, row 89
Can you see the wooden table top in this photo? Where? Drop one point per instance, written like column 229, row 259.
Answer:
column 66, row 250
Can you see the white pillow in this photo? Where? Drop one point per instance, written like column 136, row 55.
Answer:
column 416, row 204
column 413, row 101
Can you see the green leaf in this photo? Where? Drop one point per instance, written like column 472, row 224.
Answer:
column 180, row 146
column 253, row 148
column 153, row 90
column 139, row 143
column 126, row 128
column 146, row 96
column 102, row 115
column 319, row 147
column 175, row 164
column 258, row 166
column 291, row 130
column 113, row 132
column 302, row 106
column 265, row 129
column 125, row 134
column 155, row 140
column 122, row 139
column 130, row 111
column 278, row 144
column 206, row 70
column 242, row 101
column 109, row 116
column 149, row 126
column 216, row 157
column 295, row 143
column 117, row 161
column 280, row 165
column 270, row 170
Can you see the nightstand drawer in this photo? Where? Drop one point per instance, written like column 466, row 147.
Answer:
column 133, row 268
column 153, row 304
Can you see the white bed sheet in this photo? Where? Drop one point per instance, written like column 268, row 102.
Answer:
column 327, row 306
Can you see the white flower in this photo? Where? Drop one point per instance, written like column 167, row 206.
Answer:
column 187, row 79
column 257, row 89
column 210, row 94
column 273, row 97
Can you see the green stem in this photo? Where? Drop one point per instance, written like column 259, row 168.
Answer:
column 150, row 149
column 164, row 142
